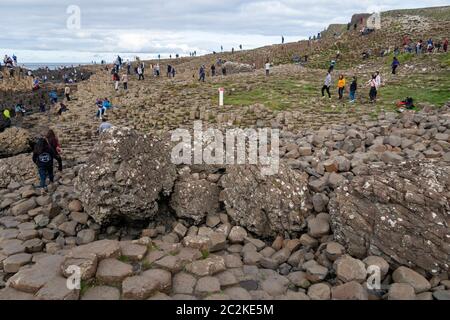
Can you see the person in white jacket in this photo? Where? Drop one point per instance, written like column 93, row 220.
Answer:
column 327, row 85
column 378, row 79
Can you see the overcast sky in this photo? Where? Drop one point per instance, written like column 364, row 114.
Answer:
column 46, row 31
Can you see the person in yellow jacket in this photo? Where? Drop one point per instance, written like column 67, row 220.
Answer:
column 341, row 86
column 6, row 114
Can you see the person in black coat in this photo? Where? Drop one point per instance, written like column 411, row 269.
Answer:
column 43, row 156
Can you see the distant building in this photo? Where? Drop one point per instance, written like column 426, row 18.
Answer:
column 374, row 21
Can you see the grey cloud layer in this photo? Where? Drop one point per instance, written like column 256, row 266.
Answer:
column 174, row 26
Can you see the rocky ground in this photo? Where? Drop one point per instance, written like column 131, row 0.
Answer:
column 360, row 188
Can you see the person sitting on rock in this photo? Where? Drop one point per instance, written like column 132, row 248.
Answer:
column 107, row 104
column 43, row 156
column 105, row 125
column 19, row 109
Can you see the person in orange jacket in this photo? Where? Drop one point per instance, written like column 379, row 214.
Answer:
column 341, row 86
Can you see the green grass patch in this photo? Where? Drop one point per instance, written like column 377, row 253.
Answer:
column 433, row 89
column 205, row 253
column 275, row 94
column 124, row 259
column 445, row 59
column 146, row 265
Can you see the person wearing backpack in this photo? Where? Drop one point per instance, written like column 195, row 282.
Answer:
column 43, row 156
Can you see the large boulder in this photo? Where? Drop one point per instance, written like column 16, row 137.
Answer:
column 399, row 212
column 235, row 67
column 126, row 175
column 16, row 169
column 14, row 141
column 195, row 199
column 266, row 205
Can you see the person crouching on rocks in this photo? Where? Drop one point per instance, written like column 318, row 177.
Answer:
column 105, row 125
column 54, row 143
column 100, row 109
column 43, row 156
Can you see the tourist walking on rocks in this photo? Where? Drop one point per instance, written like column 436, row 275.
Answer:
column 173, row 72
column 395, row 64
column 67, row 92
column 373, row 88
column 213, row 70
column 125, row 81
column 341, row 86
column 353, row 88
column 326, row 85
column 332, row 65
column 54, row 143
column 140, row 73
column 128, row 67
column 378, row 79
column 116, row 80
column 53, row 97
column 43, row 156
column 202, row 73
column 267, row 67
column 445, row 45
column 62, row 108
column 169, row 71
column 419, row 47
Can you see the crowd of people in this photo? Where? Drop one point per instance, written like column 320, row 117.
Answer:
column 374, row 84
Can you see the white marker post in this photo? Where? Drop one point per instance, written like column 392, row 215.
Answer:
column 221, row 91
